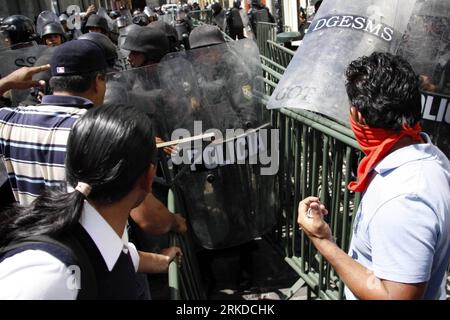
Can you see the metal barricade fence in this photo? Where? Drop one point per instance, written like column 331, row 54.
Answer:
column 318, row 156
column 184, row 280
column 266, row 31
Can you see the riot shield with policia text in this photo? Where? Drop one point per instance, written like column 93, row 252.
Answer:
column 426, row 46
column 426, row 43
column 212, row 89
column 340, row 32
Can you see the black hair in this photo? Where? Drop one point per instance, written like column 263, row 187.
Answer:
column 109, row 148
column 75, row 83
column 385, row 89
column 317, row 5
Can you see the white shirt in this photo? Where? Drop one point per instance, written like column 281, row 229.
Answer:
column 36, row 274
column 401, row 231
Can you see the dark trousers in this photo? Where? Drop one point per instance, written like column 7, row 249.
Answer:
column 237, row 33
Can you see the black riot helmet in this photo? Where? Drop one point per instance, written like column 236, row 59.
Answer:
column 53, row 28
column 96, row 21
column 205, row 35
column 141, row 19
column 150, row 41
column 104, row 42
column 237, row 4
column 216, row 8
column 124, row 32
column 169, row 31
column 18, row 29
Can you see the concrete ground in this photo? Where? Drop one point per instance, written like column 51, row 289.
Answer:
column 253, row 272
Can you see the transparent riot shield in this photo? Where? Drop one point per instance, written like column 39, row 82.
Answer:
column 436, row 119
column 340, row 32
column 215, row 90
column 44, row 18
column 15, row 59
column 122, row 54
column 168, row 17
column 102, row 13
column 227, row 82
column 426, row 46
column 128, row 16
column 141, row 88
column 426, row 42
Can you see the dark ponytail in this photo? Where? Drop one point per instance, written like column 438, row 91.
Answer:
column 51, row 214
column 109, row 148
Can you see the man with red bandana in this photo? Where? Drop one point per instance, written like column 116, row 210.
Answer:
column 400, row 245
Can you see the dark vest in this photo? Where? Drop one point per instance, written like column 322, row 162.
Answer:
column 121, row 283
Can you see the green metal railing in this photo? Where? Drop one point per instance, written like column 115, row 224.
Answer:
column 184, row 280
column 318, row 156
column 266, row 31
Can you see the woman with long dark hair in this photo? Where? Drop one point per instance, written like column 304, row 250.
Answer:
column 67, row 240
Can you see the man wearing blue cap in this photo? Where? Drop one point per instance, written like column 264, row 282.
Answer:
column 33, row 139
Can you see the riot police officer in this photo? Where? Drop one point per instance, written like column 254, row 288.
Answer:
column 18, row 29
column 146, row 45
column 218, row 15
column 170, row 32
column 183, row 26
column 235, row 26
column 259, row 13
column 224, row 81
column 53, row 34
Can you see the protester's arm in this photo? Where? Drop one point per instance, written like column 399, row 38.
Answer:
column 158, row 263
column 22, row 79
column 90, row 11
column 360, row 280
column 153, row 217
column 169, row 150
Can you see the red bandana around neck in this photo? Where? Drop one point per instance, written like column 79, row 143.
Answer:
column 376, row 143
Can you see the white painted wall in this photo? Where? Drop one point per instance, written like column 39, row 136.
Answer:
column 290, row 14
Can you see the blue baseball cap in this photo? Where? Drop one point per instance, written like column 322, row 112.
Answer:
column 77, row 57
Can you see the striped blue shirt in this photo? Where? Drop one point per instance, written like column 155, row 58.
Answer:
column 33, row 143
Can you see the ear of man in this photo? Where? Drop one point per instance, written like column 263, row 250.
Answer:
column 99, row 78
column 357, row 116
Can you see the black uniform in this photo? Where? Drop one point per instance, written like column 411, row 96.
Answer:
column 235, row 26
column 259, row 13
